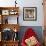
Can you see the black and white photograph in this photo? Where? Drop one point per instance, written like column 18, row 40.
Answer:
column 29, row 13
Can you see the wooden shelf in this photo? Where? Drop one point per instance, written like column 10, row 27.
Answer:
column 9, row 9
column 11, row 26
column 4, row 13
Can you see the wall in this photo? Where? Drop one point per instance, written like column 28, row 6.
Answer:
column 26, row 3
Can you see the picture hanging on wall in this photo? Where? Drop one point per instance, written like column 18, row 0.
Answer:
column 29, row 13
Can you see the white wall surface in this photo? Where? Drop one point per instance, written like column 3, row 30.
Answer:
column 26, row 3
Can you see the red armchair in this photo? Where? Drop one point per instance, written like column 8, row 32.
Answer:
column 30, row 38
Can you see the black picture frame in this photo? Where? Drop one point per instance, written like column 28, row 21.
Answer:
column 5, row 12
column 30, row 10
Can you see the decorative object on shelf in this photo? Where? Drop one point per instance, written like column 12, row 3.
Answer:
column 15, row 34
column 15, row 37
column 15, row 30
column 6, row 21
column 13, row 12
column 7, row 34
column 5, row 12
column 29, row 13
column 15, row 3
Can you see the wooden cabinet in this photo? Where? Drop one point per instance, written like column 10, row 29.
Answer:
column 9, row 23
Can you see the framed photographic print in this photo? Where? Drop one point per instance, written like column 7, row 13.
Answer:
column 5, row 12
column 29, row 13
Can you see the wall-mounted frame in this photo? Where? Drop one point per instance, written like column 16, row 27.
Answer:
column 5, row 12
column 29, row 13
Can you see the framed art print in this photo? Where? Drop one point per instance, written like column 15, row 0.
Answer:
column 5, row 12
column 29, row 13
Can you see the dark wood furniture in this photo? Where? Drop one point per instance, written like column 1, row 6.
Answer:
column 4, row 13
